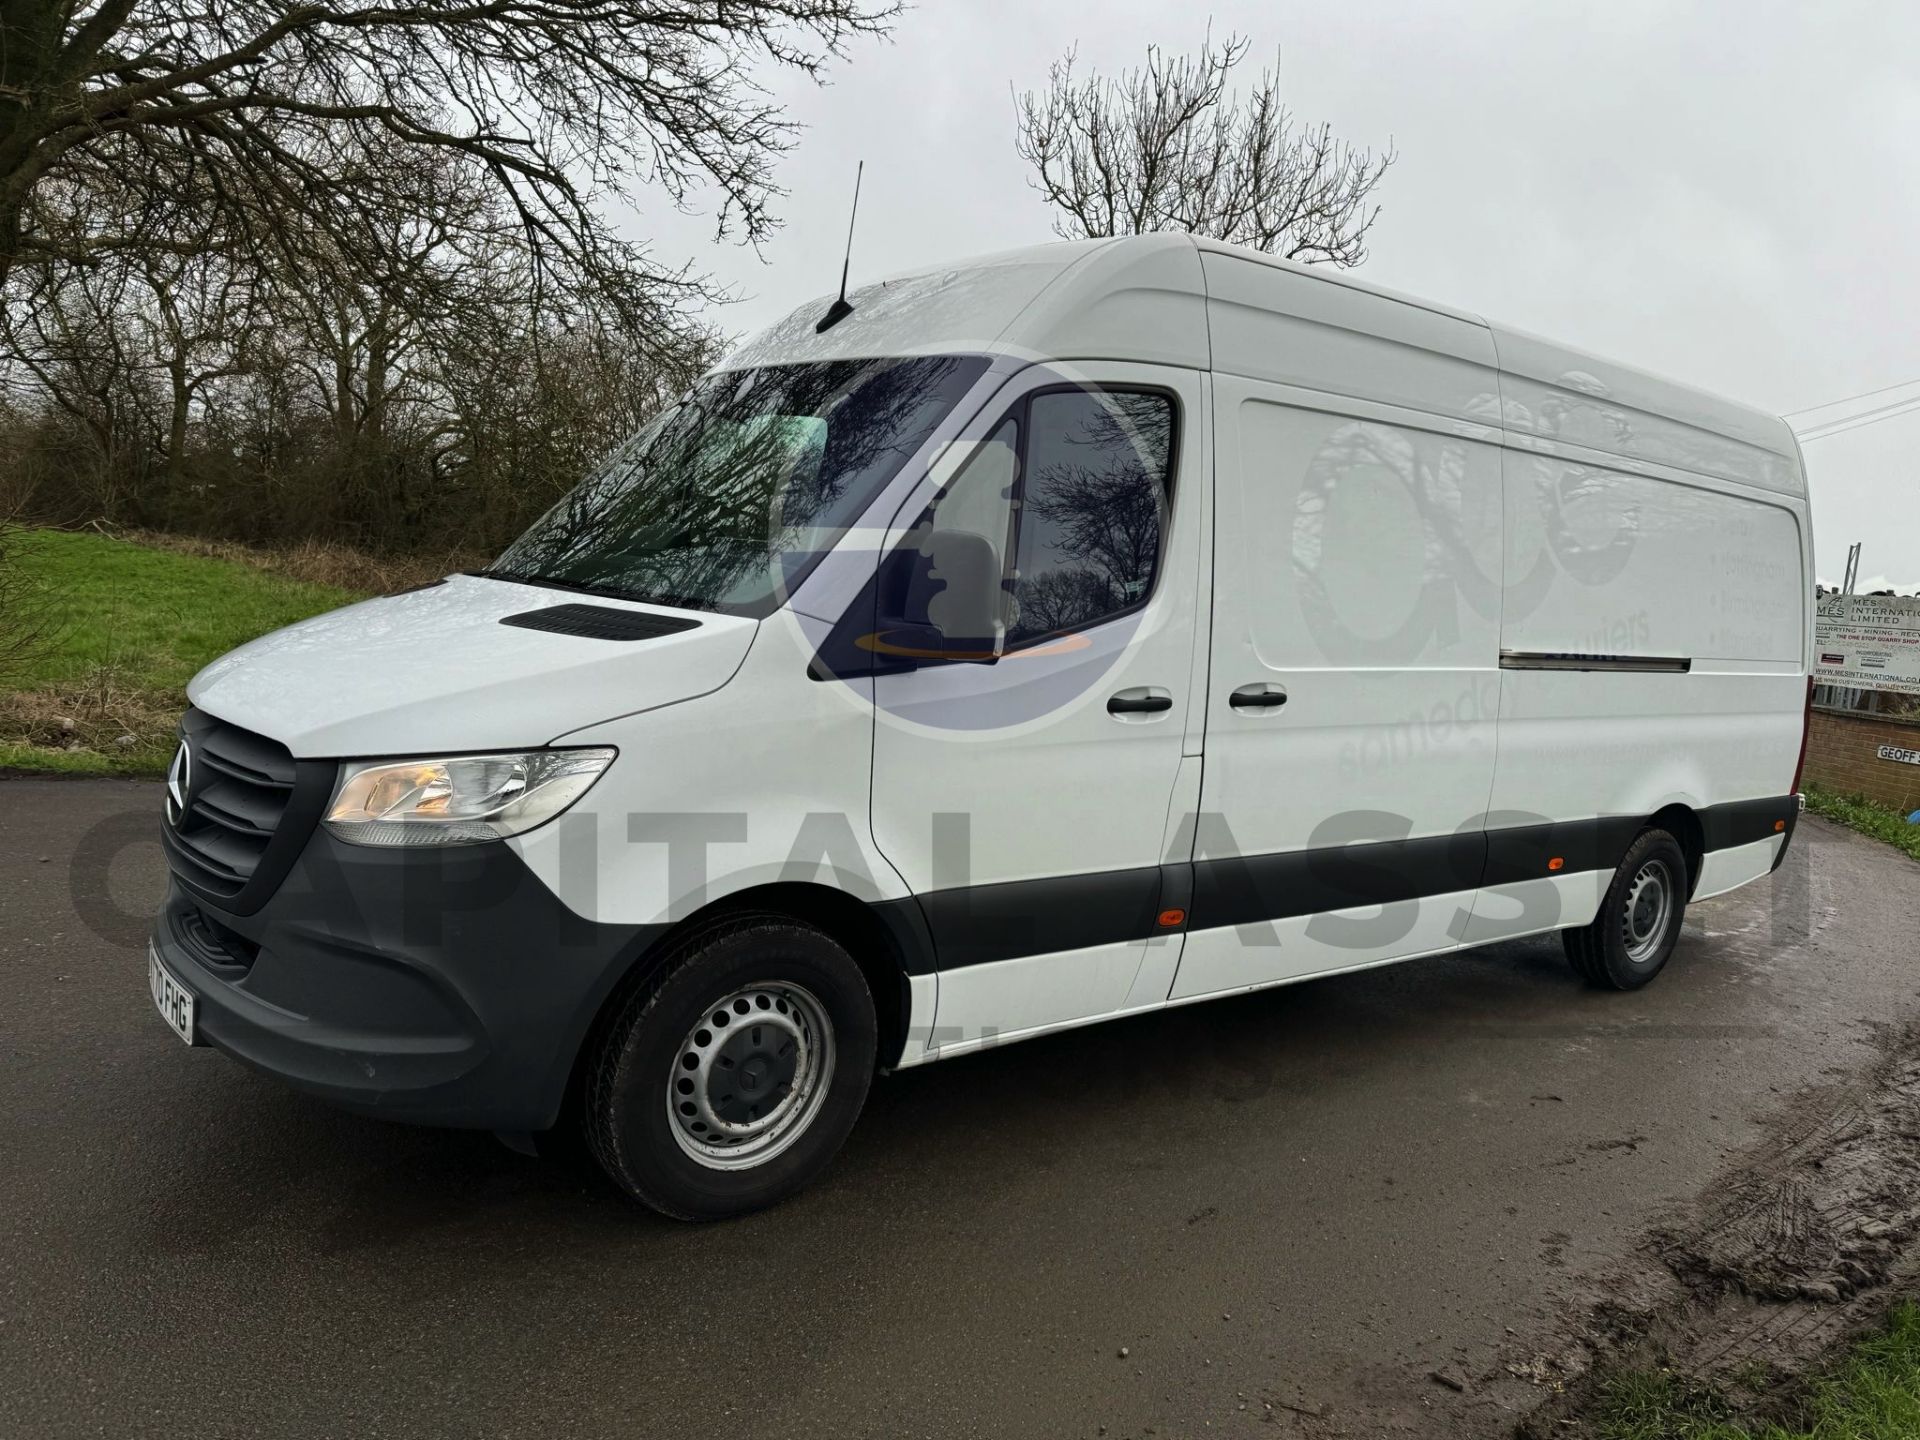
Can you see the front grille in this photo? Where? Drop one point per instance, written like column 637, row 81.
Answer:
column 239, row 785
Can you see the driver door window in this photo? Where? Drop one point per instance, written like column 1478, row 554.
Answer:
column 1092, row 509
column 1053, row 525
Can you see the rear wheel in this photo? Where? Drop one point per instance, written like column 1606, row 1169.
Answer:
column 1632, row 937
column 731, row 1081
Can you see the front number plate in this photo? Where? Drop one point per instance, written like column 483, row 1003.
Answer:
column 172, row 999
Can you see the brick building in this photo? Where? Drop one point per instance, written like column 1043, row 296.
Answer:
column 1843, row 754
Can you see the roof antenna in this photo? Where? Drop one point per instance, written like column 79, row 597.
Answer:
column 840, row 309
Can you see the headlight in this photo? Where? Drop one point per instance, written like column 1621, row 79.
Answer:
column 459, row 800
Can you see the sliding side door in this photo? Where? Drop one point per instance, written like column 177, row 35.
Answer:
column 1355, row 683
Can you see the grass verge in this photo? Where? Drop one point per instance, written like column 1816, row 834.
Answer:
column 126, row 626
column 318, row 562
column 1871, row 1393
column 1869, row 817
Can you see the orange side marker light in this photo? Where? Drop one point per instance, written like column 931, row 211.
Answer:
column 1558, row 862
column 1779, row 826
column 1169, row 919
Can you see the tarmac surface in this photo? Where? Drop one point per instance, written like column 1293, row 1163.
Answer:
column 1279, row 1214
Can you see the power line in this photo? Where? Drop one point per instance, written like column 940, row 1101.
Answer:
column 1842, row 428
column 1893, row 407
column 1849, row 399
column 1854, row 422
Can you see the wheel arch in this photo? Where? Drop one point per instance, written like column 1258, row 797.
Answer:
column 1683, row 823
column 889, row 941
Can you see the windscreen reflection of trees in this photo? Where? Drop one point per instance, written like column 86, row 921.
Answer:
column 726, row 497
column 1102, row 509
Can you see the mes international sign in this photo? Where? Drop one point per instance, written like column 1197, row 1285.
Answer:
column 1870, row 642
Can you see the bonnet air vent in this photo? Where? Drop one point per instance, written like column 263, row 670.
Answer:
column 600, row 622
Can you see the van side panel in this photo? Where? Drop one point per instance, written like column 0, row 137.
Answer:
column 1554, row 393
column 1277, row 324
column 1356, row 565
column 1698, row 587
column 1600, row 562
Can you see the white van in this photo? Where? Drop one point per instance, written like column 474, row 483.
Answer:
column 1052, row 637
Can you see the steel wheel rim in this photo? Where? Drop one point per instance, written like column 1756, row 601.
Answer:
column 751, row 1075
column 1649, row 906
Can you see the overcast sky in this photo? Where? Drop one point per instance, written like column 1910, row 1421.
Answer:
column 1725, row 193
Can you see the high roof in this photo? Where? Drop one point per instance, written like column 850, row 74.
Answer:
column 993, row 303
column 1145, row 298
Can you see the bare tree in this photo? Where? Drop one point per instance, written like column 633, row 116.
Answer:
column 242, row 112
column 1167, row 147
column 73, row 348
column 434, row 373
column 277, row 269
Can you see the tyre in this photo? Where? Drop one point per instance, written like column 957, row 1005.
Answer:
column 731, row 1079
column 1632, row 937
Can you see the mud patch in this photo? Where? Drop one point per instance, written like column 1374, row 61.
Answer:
column 1798, row 1248
column 1827, row 1207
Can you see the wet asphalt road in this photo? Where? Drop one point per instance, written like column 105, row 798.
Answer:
column 1305, row 1200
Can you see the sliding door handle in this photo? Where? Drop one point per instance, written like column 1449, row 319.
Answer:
column 1261, row 697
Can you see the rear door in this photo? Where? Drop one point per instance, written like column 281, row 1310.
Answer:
column 1023, row 780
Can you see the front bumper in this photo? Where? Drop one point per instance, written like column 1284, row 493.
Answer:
column 439, row 986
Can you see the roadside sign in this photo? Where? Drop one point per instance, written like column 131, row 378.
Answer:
column 1895, row 753
column 1869, row 642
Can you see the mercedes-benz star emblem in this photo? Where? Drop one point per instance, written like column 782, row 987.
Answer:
column 179, row 783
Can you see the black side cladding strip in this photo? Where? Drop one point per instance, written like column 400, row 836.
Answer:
column 979, row 924
column 1243, row 889
column 1521, row 852
column 1741, row 822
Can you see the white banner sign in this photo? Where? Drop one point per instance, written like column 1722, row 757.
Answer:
column 1871, row 642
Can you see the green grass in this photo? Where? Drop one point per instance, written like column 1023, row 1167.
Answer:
column 1869, row 818
column 148, row 760
column 126, row 628
column 1873, row 1393
column 157, row 615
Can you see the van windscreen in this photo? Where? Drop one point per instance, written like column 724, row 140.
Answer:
column 727, row 499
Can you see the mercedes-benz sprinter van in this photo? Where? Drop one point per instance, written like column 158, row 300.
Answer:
column 1051, row 637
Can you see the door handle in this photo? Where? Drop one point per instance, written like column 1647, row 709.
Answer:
column 1141, row 700
column 1263, row 696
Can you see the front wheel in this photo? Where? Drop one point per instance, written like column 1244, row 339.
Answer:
column 1631, row 939
column 731, row 1081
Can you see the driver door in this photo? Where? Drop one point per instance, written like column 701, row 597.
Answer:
column 1031, row 752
